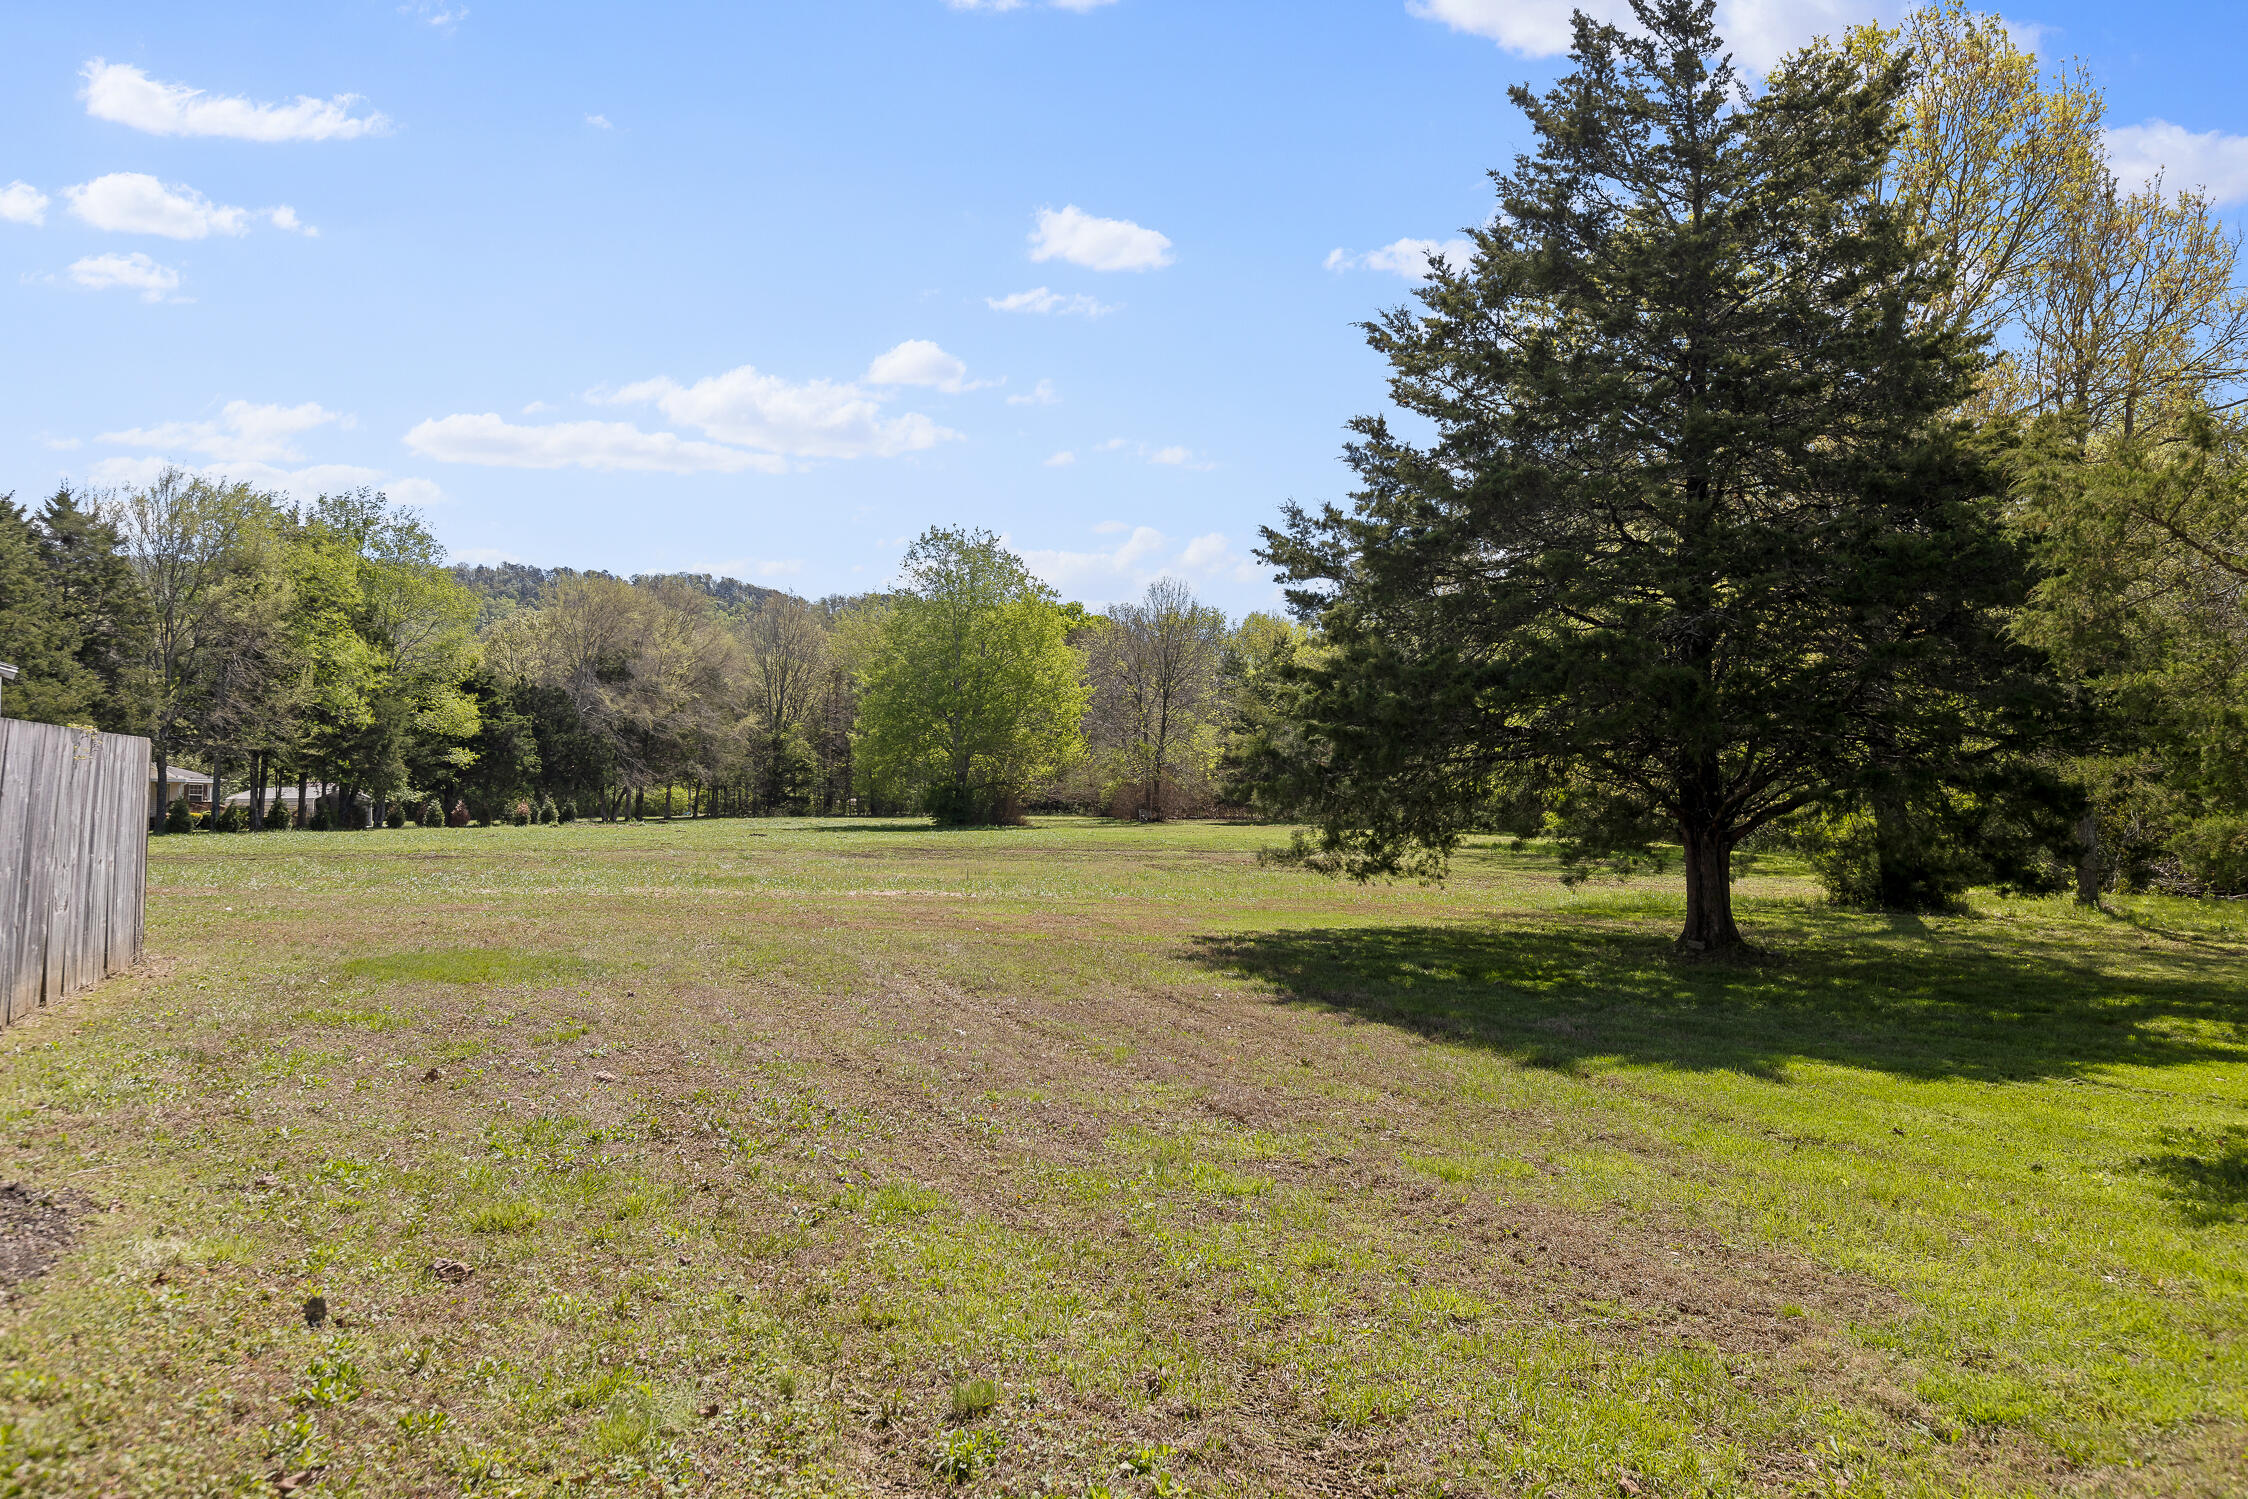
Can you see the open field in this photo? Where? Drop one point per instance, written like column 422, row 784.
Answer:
column 857, row 1157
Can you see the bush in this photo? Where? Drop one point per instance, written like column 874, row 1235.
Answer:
column 177, row 819
column 395, row 817
column 521, row 816
column 548, row 812
column 2213, row 855
column 234, row 817
column 432, row 813
column 971, row 807
column 458, row 817
column 568, row 810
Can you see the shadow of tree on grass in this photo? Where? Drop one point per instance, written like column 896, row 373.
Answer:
column 2204, row 1172
column 1559, row 991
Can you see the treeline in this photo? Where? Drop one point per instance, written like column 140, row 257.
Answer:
column 323, row 656
column 1852, row 463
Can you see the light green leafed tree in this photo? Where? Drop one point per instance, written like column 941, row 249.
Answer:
column 972, row 693
column 183, row 536
column 387, row 634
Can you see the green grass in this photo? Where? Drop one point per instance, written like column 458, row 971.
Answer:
column 465, row 965
column 777, row 1151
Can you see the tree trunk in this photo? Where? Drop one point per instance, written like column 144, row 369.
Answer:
column 2088, row 862
column 257, row 792
column 667, row 801
column 300, row 818
column 163, row 787
column 1709, row 895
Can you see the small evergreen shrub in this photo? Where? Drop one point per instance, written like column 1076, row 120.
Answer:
column 2213, row 853
column 177, row 819
column 395, row 817
column 548, row 812
column 432, row 814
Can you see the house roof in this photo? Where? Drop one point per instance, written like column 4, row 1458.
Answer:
column 287, row 793
column 180, row 775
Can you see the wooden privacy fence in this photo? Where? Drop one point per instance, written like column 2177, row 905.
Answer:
column 73, row 860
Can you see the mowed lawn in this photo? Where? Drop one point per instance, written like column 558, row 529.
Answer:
column 856, row 1157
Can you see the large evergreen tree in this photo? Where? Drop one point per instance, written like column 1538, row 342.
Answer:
column 101, row 603
column 36, row 635
column 1690, row 544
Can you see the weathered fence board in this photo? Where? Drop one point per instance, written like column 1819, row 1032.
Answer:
column 73, row 860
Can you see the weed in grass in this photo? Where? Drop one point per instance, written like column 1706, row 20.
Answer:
column 974, row 1398
column 467, row 965
column 899, row 1200
column 959, row 1456
column 502, row 1215
column 331, row 1379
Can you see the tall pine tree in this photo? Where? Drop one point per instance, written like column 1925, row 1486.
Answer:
column 1692, row 536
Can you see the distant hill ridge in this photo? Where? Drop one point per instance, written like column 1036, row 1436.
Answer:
column 522, row 585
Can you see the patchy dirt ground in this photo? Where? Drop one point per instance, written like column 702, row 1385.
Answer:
column 36, row 1226
column 788, row 1158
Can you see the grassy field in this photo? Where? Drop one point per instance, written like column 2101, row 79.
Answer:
column 1084, row 1159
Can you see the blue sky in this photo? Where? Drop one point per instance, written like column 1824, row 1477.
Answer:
column 766, row 288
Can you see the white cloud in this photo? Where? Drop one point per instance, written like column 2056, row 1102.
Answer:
column 1405, row 257
column 2212, row 161
column 301, row 483
column 252, row 444
column 917, row 361
column 483, row 556
column 21, row 203
column 811, row 419
column 419, row 493
column 134, row 272
column 444, row 16
column 1168, row 456
column 1063, row 459
column 122, row 93
column 1040, row 299
column 599, row 122
column 487, row 440
column 62, row 444
column 1042, row 394
column 1144, row 554
column 136, row 203
column 1097, row 244
column 243, row 433
column 1758, row 32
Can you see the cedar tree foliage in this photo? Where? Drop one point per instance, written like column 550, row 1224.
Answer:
column 1693, row 540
